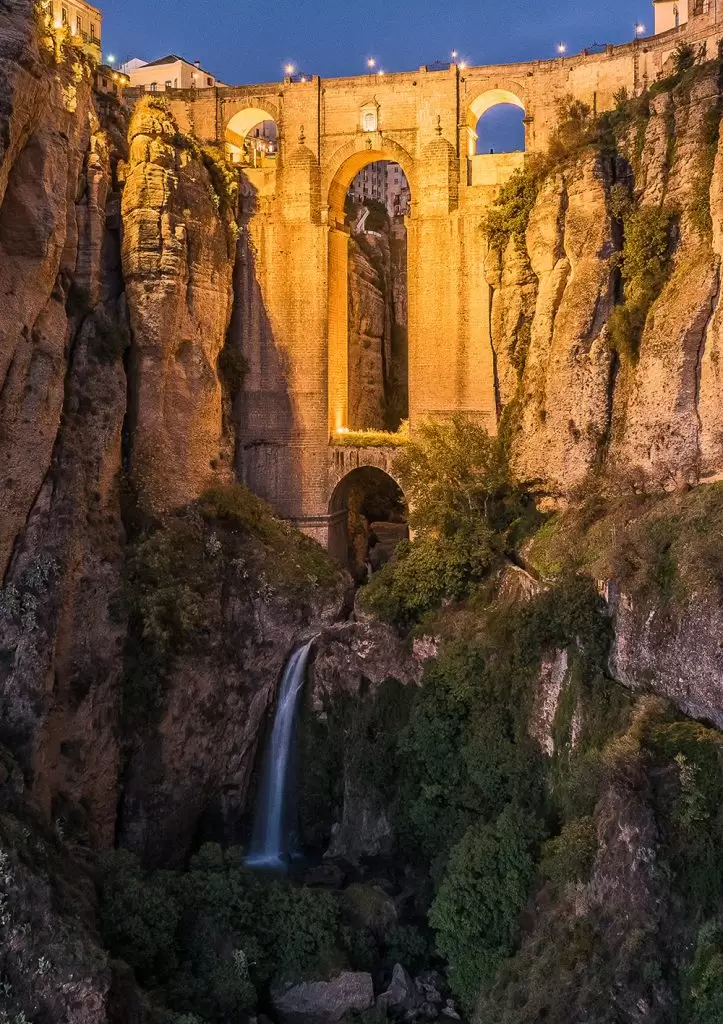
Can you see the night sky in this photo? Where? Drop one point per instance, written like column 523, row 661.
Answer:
column 244, row 41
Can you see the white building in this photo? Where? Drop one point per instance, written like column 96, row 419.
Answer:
column 171, row 72
column 80, row 19
column 669, row 14
column 385, row 182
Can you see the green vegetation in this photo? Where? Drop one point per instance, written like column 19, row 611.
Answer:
column 479, row 901
column 372, row 438
column 224, row 177
column 207, row 939
column 660, row 547
column 508, row 216
column 178, row 570
column 645, row 263
column 463, row 508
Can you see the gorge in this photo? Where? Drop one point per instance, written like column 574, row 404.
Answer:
column 510, row 755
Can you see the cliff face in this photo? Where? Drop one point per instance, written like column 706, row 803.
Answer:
column 378, row 328
column 178, row 254
column 581, row 404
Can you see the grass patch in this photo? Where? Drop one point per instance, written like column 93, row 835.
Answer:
column 657, row 546
column 372, row 438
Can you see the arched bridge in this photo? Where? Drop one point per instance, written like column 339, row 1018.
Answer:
column 292, row 278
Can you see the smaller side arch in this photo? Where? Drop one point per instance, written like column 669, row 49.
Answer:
column 367, row 519
column 484, row 99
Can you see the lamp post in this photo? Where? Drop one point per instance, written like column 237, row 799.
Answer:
column 562, row 49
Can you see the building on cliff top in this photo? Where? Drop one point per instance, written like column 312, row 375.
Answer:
column 672, row 14
column 81, row 20
column 171, row 72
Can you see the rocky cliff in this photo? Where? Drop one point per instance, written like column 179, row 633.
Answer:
column 378, row 327
column 585, row 389
column 148, row 605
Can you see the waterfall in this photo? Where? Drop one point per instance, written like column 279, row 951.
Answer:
column 270, row 843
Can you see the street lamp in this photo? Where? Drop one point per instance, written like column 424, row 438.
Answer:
column 639, row 29
column 462, row 65
column 110, row 59
column 380, row 72
column 371, row 63
column 454, row 56
column 562, row 48
column 289, row 70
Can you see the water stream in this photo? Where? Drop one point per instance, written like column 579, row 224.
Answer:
column 270, row 845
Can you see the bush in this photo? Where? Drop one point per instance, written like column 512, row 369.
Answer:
column 425, row 573
column 645, row 263
column 475, row 914
column 208, row 938
column 509, row 214
column 569, row 857
column 703, row 979
column 463, row 507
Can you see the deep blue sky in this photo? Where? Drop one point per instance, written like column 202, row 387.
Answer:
column 250, row 40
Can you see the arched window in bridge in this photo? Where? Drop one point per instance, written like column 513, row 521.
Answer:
column 252, row 139
column 496, row 123
column 501, row 129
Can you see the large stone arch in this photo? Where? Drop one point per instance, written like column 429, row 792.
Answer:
column 337, row 176
column 348, row 160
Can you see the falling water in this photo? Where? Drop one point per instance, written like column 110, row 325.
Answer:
column 270, row 843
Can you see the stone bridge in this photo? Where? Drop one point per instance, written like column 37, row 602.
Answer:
column 292, row 277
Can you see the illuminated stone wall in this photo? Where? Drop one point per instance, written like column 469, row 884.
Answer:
column 292, row 297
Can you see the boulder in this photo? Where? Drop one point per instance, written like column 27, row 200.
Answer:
column 324, row 1002
column 401, row 996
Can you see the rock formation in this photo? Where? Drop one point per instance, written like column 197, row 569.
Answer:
column 378, row 327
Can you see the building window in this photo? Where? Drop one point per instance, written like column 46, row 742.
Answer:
column 169, row 84
column 93, row 36
column 154, row 87
column 370, row 121
column 79, row 26
column 209, row 82
column 64, row 15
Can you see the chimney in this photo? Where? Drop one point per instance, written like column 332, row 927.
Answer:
column 197, row 64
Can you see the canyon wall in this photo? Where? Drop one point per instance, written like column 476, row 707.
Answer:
column 377, row 307
column 575, row 403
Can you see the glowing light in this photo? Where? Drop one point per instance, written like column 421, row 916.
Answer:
column 303, row 78
column 380, row 72
column 639, row 29
column 454, row 55
column 371, row 63
column 462, row 65
column 289, row 69
column 110, row 59
column 562, row 47
column 342, row 430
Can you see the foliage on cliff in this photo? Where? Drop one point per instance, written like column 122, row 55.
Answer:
column 464, row 509
column 179, row 570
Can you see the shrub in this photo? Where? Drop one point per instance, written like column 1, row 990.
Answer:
column 425, row 573
column 509, row 214
column 207, row 938
column 645, row 264
column 575, row 128
column 475, row 913
column 569, row 857
column 703, row 979
column 223, row 175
